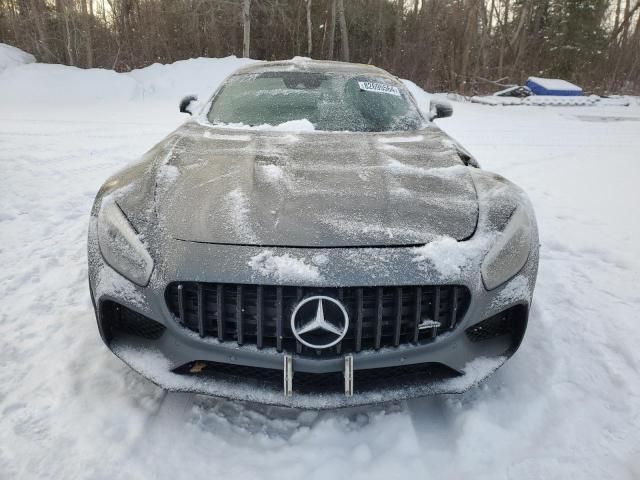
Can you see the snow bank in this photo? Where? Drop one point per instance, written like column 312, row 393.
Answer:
column 47, row 84
column 13, row 57
column 553, row 101
column 198, row 76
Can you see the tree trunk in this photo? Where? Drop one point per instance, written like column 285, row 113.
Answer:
column 398, row 35
column 376, row 47
column 215, row 37
column 491, row 9
column 309, row 39
column 87, row 22
column 503, row 43
column 617, row 20
column 246, row 21
column 332, row 30
column 468, row 40
column 324, row 34
column 42, row 45
column 344, row 35
column 522, row 32
column 625, row 30
column 484, row 35
column 63, row 22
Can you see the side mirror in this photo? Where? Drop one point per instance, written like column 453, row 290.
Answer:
column 441, row 109
column 185, row 104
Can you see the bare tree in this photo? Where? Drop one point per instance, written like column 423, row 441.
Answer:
column 87, row 19
column 246, row 23
column 309, row 38
column 503, row 36
column 617, row 15
column 398, row 32
column 63, row 21
column 344, row 35
column 440, row 44
column 332, row 30
column 36, row 9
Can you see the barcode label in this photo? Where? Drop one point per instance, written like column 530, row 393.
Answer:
column 379, row 88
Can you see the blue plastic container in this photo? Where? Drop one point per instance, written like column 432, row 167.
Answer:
column 553, row 86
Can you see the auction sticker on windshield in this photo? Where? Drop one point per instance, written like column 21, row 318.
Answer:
column 379, row 87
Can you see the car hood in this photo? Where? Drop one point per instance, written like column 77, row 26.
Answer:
column 313, row 189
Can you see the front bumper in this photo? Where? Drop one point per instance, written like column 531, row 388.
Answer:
column 178, row 349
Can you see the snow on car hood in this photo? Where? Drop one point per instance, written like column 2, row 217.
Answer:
column 317, row 189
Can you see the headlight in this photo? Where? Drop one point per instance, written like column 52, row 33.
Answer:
column 510, row 253
column 120, row 245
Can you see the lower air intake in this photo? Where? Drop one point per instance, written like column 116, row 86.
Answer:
column 117, row 318
column 507, row 322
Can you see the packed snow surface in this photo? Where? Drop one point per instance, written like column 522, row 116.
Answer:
column 567, row 405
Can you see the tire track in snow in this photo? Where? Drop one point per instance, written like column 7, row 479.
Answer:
column 197, row 436
column 169, row 417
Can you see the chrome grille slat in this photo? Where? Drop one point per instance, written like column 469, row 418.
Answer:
column 435, row 314
column 279, row 319
column 260, row 315
column 379, row 305
column 219, row 313
column 239, row 325
column 398, row 319
column 417, row 315
column 181, row 303
column 299, row 295
column 201, row 306
column 454, row 309
column 358, row 319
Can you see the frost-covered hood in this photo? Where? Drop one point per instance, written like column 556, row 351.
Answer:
column 313, row 189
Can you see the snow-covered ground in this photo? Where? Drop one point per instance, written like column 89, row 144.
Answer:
column 566, row 406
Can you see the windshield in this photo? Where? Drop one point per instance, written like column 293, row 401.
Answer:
column 330, row 101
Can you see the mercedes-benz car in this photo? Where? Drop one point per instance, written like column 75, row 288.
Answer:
column 310, row 238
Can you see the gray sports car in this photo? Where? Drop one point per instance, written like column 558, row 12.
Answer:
column 310, row 238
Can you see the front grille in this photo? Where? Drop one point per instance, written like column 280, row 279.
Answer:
column 369, row 380
column 260, row 314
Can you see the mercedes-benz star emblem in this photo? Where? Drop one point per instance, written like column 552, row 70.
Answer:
column 319, row 322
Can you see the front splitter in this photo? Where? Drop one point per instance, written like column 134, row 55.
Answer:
column 154, row 366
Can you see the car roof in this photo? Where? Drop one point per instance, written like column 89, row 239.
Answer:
column 303, row 64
